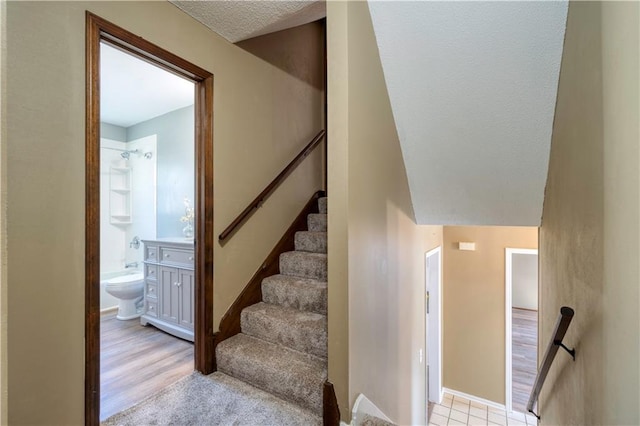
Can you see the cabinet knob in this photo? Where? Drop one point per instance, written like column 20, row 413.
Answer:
column 190, row 257
column 166, row 255
column 177, row 284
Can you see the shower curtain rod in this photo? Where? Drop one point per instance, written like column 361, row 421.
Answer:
column 118, row 149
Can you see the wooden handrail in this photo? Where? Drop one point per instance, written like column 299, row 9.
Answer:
column 566, row 315
column 257, row 202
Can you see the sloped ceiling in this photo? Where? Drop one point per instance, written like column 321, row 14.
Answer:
column 473, row 88
column 238, row 20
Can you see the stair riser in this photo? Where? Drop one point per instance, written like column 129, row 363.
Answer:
column 313, row 242
column 298, row 265
column 307, row 299
column 317, row 222
column 322, row 205
column 311, row 340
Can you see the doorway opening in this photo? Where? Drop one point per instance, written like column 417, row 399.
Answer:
column 521, row 314
column 121, row 214
column 147, row 174
column 434, row 325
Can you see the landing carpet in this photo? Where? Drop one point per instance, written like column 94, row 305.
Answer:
column 216, row 399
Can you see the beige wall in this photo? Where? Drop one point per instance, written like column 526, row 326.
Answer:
column 298, row 51
column 262, row 118
column 474, row 307
column 3, row 214
column 337, row 226
column 385, row 248
column 589, row 252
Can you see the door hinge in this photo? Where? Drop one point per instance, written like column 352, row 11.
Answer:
column 427, row 302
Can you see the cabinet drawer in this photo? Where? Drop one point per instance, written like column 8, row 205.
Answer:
column 152, row 308
column 151, row 272
column 151, row 290
column 151, row 253
column 176, row 256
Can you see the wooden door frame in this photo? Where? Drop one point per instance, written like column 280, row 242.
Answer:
column 98, row 30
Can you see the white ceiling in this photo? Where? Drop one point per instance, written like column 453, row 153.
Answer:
column 238, row 20
column 473, row 88
column 132, row 90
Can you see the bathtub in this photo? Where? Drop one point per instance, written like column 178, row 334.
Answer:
column 107, row 301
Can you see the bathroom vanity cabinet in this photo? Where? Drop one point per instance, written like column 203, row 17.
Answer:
column 169, row 290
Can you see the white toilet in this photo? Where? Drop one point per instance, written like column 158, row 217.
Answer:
column 128, row 289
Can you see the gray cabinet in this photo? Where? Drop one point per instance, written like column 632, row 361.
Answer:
column 169, row 286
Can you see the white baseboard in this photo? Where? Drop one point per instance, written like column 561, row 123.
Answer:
column 475, row 398
column 106, row 310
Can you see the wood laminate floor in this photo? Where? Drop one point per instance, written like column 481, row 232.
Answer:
column 136, row 362
column 524, row 356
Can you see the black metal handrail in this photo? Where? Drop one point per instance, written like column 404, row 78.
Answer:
column 566, row 315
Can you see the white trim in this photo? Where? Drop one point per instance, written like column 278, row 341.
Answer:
column 363, row 405
column 109, row 309
column 508, row 321
column 438, row 337
column 475, row 398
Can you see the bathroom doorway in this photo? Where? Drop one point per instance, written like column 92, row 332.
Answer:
column 149, row 226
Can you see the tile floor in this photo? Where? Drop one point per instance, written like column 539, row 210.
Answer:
column 455, row 410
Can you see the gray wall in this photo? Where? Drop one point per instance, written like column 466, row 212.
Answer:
column 113, row 132
column 175, row 165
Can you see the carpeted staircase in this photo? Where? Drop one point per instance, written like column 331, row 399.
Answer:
column 282, row 348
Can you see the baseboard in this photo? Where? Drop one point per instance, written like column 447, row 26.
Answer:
column 475, row 398
column 364, row 405
column 330, row 409
column 107, row 310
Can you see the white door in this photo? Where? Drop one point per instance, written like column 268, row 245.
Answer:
column 434, row 325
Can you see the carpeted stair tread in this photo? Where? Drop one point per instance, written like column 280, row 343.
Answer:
column 303, row 331
column 311, row 241
column 317, row 222
column 286, row 373
column 369, row 420
column 304, row 294
column 322, row 204
column 304, row 264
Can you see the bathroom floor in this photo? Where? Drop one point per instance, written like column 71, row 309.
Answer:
column 136, row 362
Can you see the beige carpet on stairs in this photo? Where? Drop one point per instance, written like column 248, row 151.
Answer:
column 216, row 399
column 282, row 348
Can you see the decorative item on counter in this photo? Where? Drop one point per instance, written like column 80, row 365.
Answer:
column 189, row 215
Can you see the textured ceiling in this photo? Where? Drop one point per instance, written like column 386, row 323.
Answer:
column 239, row 20
column 473, row 88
